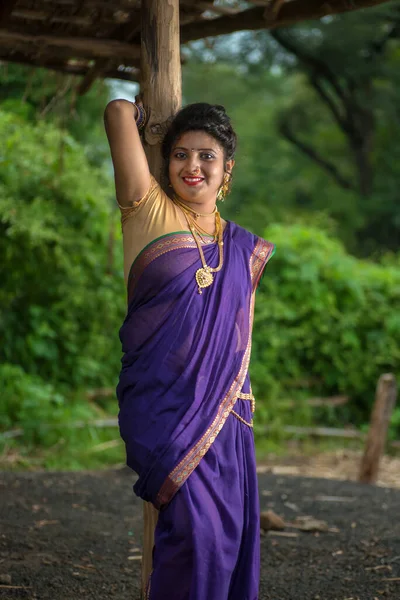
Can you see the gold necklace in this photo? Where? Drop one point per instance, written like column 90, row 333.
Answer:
column 204, row 276
column 201, row 232
column 185, row 207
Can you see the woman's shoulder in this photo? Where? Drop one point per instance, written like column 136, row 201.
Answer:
column 257, row 251
column 251, row 241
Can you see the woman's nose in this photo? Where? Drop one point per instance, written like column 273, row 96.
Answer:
column 193, row 164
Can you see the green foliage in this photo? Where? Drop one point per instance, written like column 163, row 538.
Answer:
column 337, row 106
column 60, row 299
column 26, row 399
column 58, row 429
column 326, row 322
column 36, row 94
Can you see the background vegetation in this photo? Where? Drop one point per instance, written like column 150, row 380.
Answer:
column 317, row 172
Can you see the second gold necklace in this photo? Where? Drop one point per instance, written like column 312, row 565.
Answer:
column 204, row 276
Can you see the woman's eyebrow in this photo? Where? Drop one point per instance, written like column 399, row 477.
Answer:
column 193, row 149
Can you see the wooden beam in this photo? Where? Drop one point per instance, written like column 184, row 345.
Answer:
column 117, row 15
column 219, row 10
column 102, row 65
column 6, row 8
column 161, row 86
column 127, row 73
column 95, row 71
column 106, row 68
column 72, row 68
column 385, row 400
column 290, row 13
column 49, row 17
column 81, row 46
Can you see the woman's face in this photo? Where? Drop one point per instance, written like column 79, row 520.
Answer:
column 197, row 167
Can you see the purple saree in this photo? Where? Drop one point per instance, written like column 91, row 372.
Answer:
column 185, row 364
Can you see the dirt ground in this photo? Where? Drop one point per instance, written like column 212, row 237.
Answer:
column 70, row 536
column 340, row 464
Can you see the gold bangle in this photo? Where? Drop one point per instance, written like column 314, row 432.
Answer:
column 141, row 116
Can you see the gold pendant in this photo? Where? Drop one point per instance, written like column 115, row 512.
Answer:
column 203, row 278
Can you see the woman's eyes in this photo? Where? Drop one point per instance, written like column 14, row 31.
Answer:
column 203, row 156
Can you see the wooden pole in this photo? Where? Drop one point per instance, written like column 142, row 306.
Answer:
column 160, row 83
column 385, row 401
column 160, row 88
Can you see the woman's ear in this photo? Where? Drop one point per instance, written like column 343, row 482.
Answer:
column 229, row 166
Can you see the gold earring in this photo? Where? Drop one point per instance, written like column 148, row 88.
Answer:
column 225, row 188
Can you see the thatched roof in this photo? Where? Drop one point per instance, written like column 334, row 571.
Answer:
column 100, row 38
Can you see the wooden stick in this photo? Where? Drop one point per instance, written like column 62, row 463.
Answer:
column 317, row 432
column 323, row 432
column 92, row 47
column 100, row 393
column 15, row 587
column 318, row 401
column 385, row 400
column 290, row 429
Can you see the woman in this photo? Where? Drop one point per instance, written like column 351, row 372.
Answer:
column 184, row 390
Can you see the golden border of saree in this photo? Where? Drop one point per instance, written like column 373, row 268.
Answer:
column 158, row 247
column 179, row 475
column 261, row 254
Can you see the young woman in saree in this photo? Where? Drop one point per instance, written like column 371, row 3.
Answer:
column 184, row 391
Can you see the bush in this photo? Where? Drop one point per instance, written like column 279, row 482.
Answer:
column 325, row 322
column 25, row 398
column 61, row 298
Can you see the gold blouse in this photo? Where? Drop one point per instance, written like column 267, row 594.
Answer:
column 149, row 218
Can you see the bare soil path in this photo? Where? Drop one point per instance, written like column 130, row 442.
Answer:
column 70, row 536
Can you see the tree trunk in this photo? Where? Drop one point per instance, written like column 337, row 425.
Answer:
column 162, row 97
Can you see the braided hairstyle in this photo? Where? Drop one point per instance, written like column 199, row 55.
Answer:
column 210, row 118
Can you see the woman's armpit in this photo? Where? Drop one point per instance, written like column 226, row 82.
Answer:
column 129, row 211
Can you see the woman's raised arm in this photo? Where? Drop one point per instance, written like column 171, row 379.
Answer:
column 131, row 170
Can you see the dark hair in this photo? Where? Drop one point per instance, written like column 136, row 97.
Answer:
column 210, row 118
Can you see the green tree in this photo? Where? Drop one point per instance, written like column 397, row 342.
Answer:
column 336, row 103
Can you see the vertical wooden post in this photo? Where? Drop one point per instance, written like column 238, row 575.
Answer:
column 160, row 88
column 161, row 82
column 385, row 401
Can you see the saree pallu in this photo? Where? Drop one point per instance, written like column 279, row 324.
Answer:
column 185, row 364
